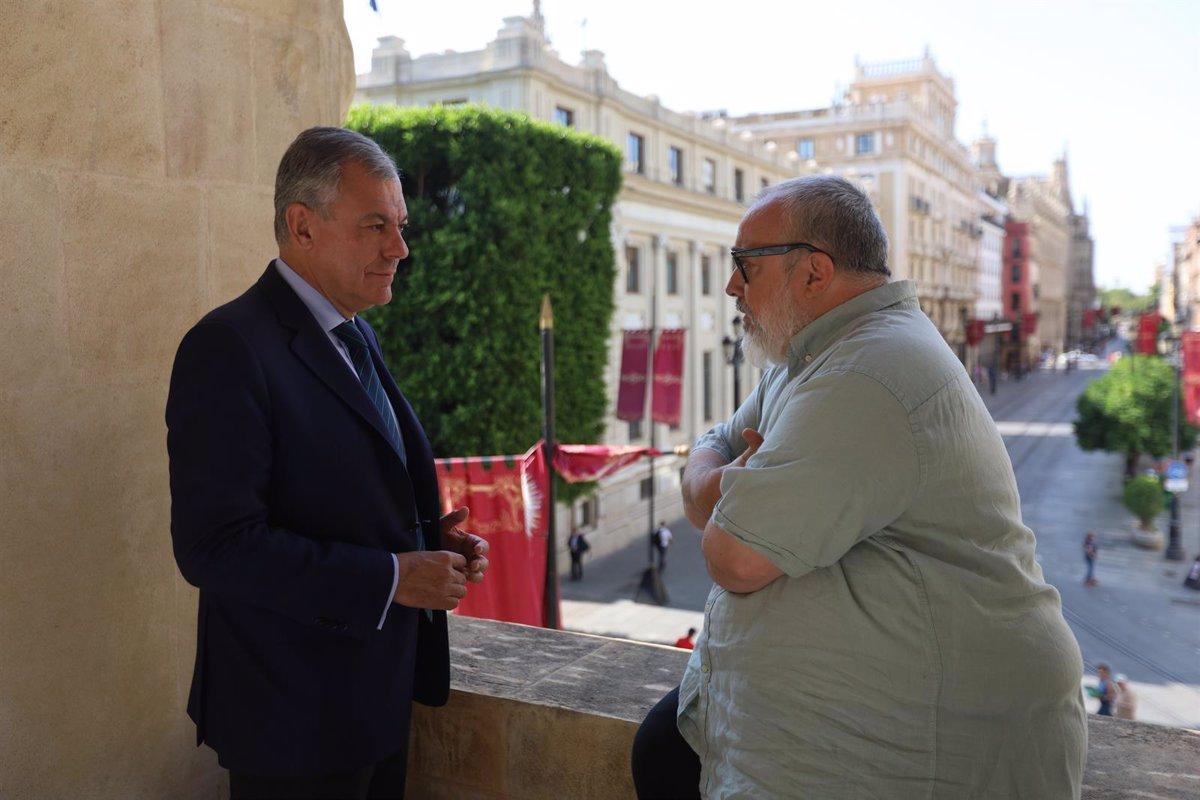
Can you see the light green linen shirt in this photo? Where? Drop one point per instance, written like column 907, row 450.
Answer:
column 911, row 649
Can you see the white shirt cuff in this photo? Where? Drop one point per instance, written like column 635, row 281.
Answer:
column 392, row 593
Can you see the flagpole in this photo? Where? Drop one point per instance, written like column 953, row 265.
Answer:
column 550, row 591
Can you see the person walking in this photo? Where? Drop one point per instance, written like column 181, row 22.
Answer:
column 1106, row 691
column 578, row 545
column 1090, row 550
column 687, row 642
column 662, row 540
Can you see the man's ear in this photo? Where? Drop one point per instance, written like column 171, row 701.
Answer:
column 821, row 273
column 299, row 222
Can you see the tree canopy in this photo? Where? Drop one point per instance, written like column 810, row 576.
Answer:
column 502, row 210
column 1128, row 410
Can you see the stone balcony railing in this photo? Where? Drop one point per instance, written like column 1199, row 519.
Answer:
column 547, row 714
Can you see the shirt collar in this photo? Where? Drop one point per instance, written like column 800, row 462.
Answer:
column 318, row 305
column 825, row 329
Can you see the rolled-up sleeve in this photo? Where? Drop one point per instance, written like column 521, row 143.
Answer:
column 726, row 437
column 838, row 465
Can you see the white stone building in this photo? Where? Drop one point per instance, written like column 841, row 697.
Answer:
column 686, row 185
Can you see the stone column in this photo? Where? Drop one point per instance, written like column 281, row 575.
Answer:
column 137, row 154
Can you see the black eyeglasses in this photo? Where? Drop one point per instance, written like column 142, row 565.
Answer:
column 739, row 253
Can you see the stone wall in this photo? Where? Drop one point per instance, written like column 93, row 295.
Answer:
column 138, row 145
column 543, row 715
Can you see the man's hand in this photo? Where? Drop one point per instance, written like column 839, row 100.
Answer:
column 702, row 478
column 468, row 545
column 431, row 579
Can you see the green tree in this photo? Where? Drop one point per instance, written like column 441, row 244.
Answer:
column 502, row 209
column 1144, row 498
column 1128, row 411
column 1129, row 301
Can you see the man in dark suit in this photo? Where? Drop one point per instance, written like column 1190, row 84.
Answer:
column 304, row 501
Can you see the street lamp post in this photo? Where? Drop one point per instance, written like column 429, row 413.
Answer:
column 1174, row 546
column 734, row 358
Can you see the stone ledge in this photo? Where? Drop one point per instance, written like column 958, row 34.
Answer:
column 548, row 714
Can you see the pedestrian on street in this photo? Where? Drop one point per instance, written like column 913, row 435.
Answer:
column 1106, row 691
column 1090, row 550
column 848, row 508
column 662, row 540
column 1126, row 699
column 578, row 545
column 687, row 642
column 991, row 375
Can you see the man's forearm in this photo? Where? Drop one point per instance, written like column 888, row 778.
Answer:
column 701, row 485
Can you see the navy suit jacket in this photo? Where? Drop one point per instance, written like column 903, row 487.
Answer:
column 286, row 501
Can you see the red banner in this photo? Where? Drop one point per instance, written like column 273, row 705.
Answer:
column 1191, row 375
column 974, row 332
column 667, row 403
column 1089, row 318
column 577, row 463
column 635, row 359
column 1029, row 323
column 507, row 498
column 1147, row 335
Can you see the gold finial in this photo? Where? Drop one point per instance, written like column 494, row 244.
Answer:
column 547, row 321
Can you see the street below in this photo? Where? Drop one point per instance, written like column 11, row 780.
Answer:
column 1139, row 618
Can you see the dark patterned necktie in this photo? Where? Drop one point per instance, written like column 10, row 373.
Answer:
column 360, row 356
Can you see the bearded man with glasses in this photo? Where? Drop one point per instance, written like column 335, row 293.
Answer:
column 878, row 626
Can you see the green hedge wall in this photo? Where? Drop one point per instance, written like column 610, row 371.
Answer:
column 502, row 209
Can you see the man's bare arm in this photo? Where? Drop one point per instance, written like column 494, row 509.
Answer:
column 733, row 565
column 701, row 485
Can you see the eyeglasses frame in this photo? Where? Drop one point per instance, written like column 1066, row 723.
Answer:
column 738, row 253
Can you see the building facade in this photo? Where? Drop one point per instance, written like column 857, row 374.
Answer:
column 1044, row 202
column 893, row 134
column 687, row 182
column 1021, row 298
column 1081, row 286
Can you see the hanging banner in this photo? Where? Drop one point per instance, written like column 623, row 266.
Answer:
column 1147, row 335
column 507, row 499
column 974, row 332
column 1029, row 323
column 667, row 404
column 1190, row 344
column 1089, row 318
column 635, row 359
column 577, row 463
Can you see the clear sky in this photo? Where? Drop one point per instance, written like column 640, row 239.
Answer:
column 1115, row 82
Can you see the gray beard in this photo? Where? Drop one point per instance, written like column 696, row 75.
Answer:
column 767, row 344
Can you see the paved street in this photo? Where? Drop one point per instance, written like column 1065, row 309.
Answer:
column 1139, row 618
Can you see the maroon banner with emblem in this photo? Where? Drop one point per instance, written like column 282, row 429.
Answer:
column 1190, row 343
column 635, row 362
column 974, row 332
column 1029, row 323
column 1147, row 335
column 507, row 499
column 667, row 404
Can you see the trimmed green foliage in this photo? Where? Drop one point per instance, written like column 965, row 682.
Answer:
column 1144, row 498
column 1128, row 411
column 502, row 210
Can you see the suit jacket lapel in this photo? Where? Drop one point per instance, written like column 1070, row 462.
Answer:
column 420, row 454
column 312, row 346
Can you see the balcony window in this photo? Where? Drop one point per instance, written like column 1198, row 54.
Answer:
column 705, row 276
column 1016, row 301
column 646, row 488
column 763, row 183
column 633, row 276
column 635, row 150
column 1016, row 273
column 675, row 165
column 805, row 148
column 564, row 117
column 672, row 274
column 739, row 185
column 864, row 144
column 710, row 176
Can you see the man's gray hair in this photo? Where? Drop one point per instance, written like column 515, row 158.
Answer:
column 833, row 214
column 311, row 169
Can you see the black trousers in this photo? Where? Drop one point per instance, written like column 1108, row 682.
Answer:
column 382, row 781
column 665, row 767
